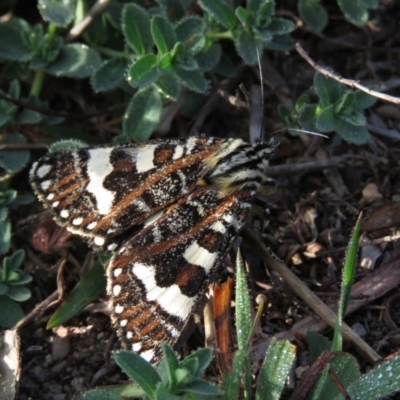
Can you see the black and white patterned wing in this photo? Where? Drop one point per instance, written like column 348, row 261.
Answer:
column 101, row 192
column 157, row 277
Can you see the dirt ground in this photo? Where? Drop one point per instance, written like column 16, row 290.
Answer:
column 323, row 184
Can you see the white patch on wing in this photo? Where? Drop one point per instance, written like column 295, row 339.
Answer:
column 198, row 255
column 141, row 205
column 118, row 309
column 152, row 218
column 169, row 298
column 183, row 179
column 231, row 220
column 55, row 204
column 45, row 185
column 148, row 354
column 172, row 330
column 178, row 152
column 99, row 241
column 50, row 196
column 117, row 272
column 91, row 225
column 199, row 207
column 129, row 335
column 218, row 226
column 64, row 214
column 145, row 159
column 136, row 346
column 157, row 234
column 77, row 221
column 112, row 246
column 123, row 322
column 116, row 290
column 42, row 171
column 98, row 167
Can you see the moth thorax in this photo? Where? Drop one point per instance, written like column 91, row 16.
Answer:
column 240, row 169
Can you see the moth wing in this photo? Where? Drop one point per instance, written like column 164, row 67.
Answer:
column 157, row 277
column 101, row 192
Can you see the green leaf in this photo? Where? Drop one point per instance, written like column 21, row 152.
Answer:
column 16, row 70
column 347, row 283
column 246, row 46
column 194, row 80
column 87, row 290
column 8, row 196
column 171, row 364
column 14, row 91
column 175, row 9
column 318, row 344
column 144, row 71
column 209, row 57
column 352, row 134
column 22, row 280
column 109, row 75
column 280, row 43
column 170, row 86
column 281, row 26
column 354, row 11
column 11, row 312
column 328, row 90
column 231, row 382
column 19, row 293
column 363, row 100
column 371, row 4
column 307, row 116
column 3, row 289
column 203, row 356
column 66, row 145
column 139, row 370
column 254, row 6
column 190, row 32
column 326, row 121
column 243, row 306
column 75, row 61
column 14, row 160
column 3, row 214
column 220, row 12
column 201, row 387
column 245, row 17
column 143, row 114
column 313, row 14
column 59, row 13
column 275, row 370
column 12, row 44
column 100, row 394
column 23, row 200
column 16, row 259
column 136, row 28
column 345, row 367
column 353, row 117
column 163, row 34
column 28, row 117
column 183, row 59
column 345, row 102
column 377, row 383
column 264, row 14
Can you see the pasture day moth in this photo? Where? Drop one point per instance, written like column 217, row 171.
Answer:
column 169, row 208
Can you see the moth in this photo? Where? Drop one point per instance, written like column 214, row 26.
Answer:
column 170, row 209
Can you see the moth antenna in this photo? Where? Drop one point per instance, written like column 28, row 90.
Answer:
column 302, row 131
column 262, row 133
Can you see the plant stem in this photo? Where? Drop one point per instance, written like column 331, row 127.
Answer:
column 37, row 82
